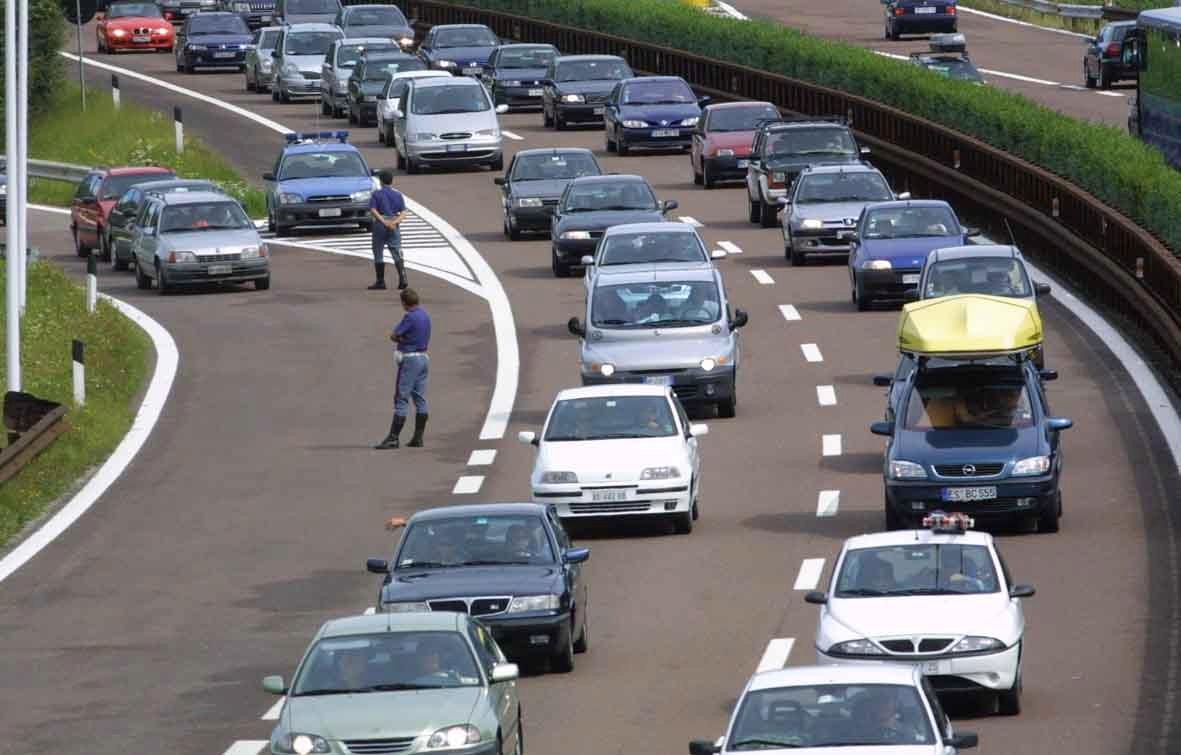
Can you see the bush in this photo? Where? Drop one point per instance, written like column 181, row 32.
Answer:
column 46, row 69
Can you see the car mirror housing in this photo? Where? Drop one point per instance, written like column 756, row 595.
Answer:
column 528, row 437
column 377, row 566
column 883, row 381
column 741, row 318
column 274, row 685
column 498, row 180
column 970, row 231
column 670, row 204
column 816, row 598
column 1056, row 424
column 881, row 428
column 1041, row 289
column 1047, row 375
column 576, row 555
column 505, row 672
column 1021, row 591
column 502, row 109
column 704, row 747
column 574, row 325
column 904, row 195
column 699, row 429
column 963, row 740
column 268, row 176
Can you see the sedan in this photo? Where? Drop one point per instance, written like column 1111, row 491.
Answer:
column 534, row 183
column 515, row 73
column 410, row 683
column 213, row 40
column 134, row 26
column 723, row 138
column 655, row 112
column 1103, row 62
column 368, row 79
column 619, row 450
column 460, row 49
column 821, row 209
column 115, row 246
column 576, row 88
column 370, row 21
column 919, row 17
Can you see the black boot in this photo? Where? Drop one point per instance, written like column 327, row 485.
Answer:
column 379, row 270
column 391, row 440
column 401, row 275
column 419, row 426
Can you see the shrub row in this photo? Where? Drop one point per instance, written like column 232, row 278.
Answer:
column 46, row 70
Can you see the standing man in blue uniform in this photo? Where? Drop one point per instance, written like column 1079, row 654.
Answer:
column 388, row 208
column 412, row 337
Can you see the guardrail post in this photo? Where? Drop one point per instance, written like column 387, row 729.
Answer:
column 79, row 373
column 956, row 159
column 1140, row 268
column 1054, row 207
column 92, row 281
column 115, row 89
column 179, row 123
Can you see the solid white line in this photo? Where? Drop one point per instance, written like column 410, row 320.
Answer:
column 776, row 655
column 468, row 484
column 481, row 457
column 246, row 747
column 995, row 17
column 828, row 502
column 830, row 445
column 826, row 395
column 1110, row 94
column 369, row 611
column 511, row 135
column 762, row 277
column 991, row 72
column 731, row 11
column 1073, row 87
column 273, row 712
column 809, row 576
column 811, row 352
column 730, row 247
column 789, row 312
column 690, row 221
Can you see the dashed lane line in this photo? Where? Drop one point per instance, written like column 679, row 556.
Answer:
column 762, row 277
column 511, row 135
column 828, row 502
column 826, row 395
column 481, row 457
column 811, row 352
column 369, row 611
column 246, row 747
column 275, row 710
column 468, row 484
column 776, row 655
column 730, row 247
column 830, row 445
column 809, row 576
column 690, row 221
column 789, row 312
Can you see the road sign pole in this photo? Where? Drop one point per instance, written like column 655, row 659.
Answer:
column 12, row 283
column 81, row 65
column 22, row 154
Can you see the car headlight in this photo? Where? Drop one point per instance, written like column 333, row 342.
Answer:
column 182, row 257
column 576, row 235
column 3, row 189
column 285, row 198
column 708, row 363
column 524, row 603
column 406, row 41
column 725, row 153
column 558, row 478
column 300, row 744
column 250, row 252
column 635, row 124
column 264, row 64
column 290, row 69
column 977, row 645
column 528, row 202
column 508, row 83
column 407, row 607
column 1033, row 465
column 445, row 63
column 660, row 473
column 778, row 176
column 690, row 121
column 162, row 30
column 607, row 369
column 907, row 470
column 856, row 647
column 490, row 133
column 194, row 47
column 361, row 196
column 573, row 98
column 876, row 265
column 812, row 223
column 118, row 32
column 460, row 735
column 424, row 136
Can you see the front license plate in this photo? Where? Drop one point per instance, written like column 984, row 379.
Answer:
column 968, row 494
column 330, row 212
column 661, row 132
column 265, row 18
column 223, row 55
column 924, row 10
column 658, row 379
column 456, row 147
column 534, row 92
column 472, row 71
column 600, row 110
column 743, row 163
column 934, row 668
column 608, row 495
column 221, row 269
column 910, row 278
column 141, row 40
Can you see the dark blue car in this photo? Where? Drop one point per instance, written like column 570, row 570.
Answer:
column 892, row 242
column 462, row 49
column 510, row 564
column 919, row 17
column 656, row 112
column 213, row 40
column 515, row 74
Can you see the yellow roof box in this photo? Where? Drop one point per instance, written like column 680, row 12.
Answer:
column 969, row 326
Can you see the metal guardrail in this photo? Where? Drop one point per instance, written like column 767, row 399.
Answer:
column 32, row 424
column 52, row 171
column 1090, row 12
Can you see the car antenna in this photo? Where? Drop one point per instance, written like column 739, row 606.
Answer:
column 1009, row 228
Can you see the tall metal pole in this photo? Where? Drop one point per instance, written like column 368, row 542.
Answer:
column 12, row 287
column 22, row 144
column 81, row 66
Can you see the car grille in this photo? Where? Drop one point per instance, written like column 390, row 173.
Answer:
column 218, row 257
column 489, row 606
column 549, row 203
column 474, row 606
column 933, row 645
column 609, row 507
column 262, row 5
column 898, row 646
column 961, row 470
column 925, row 645
column 456, row 135
column 311, row 75
column 143, row 30
column 330, row 198
column 378, row 746
column 458, row 606
column 595, row 99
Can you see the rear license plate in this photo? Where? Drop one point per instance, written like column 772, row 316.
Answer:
column 330, row 212
column 221, row 269
column 534, row 92
column 662, row 132
column 222, row 55
column 141, row 40
column 910, row 278
column 608, row 495
column 924, row 10
column 472, row 71
column 265, row 18
column 934, row 668
column 658, row 379
column 456, row 147
column 743, row 163
column 968, row 494
column 600, row 110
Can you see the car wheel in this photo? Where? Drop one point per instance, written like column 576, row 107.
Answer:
column 250, row 87
column 142, row 282
column 352, row 118
column 563, row 661
column 270, row 221
column 104, row 247
column 621, row 146
column 161, row 281
column 275, row 93
column 859, row 297
column 610, row 142
column 707, row 180
column 399, row 161
column 767, row 213
column 1050, row 512
column 794, row 257
column 583, row 641
column 1104, row 77
column 497, row 165
column 512, row 231
column 520, row 748
column 559, row 122
column 561, row 269
column 116, row 263
column 728, row 408
column 1087, row 79
column 284, row 97
column 189, row 67
column 262, row 284
column 179, row 66
column 683, row 523
column 1008, row 702
column 753, row 209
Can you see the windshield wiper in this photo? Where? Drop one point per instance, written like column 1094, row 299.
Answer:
column 491, row 562
column 861, row 592
column 925, row 591
column 326, row 691
column 766, row 743
column 680, row 323
column 613, row 322
column 626, row 207
column 399, row 687
column 450, row 112
column 424, row 565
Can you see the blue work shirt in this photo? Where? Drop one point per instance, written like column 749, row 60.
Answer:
column 388, row 202
column 415, row 330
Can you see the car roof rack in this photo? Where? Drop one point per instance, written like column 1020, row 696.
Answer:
column 948, row 43
column 314, row 137
column 953, row 523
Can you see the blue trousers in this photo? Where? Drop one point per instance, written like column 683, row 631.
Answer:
column 384, row 238
column 411, row 384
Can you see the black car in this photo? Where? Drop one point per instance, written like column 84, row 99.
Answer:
column 256, row 13
column 510, row 564
column 176, row 11
column 120, row 225
column 368, row 80
column 376, row 21
column 1103, row 62
column 212, row 40
column 576, row 88
column 591, row 205
column 534, row 182
column 460, row 49
column 514, row 73
column 948, row 56
column 919, row 17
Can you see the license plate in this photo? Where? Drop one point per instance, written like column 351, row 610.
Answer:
column 266, row 17
column 330, row 212
column 221, row 269
column 608, row 495
column 743, row 163
column 534, row 92
column 934, row 668
column 924, row 10
column 665, row 132
column 141, row 40
column 456, row 147
column 968, row 494
column 658, row 379
column 600, row 110
column 472, row 71
column 910, row 278
column 225, row 54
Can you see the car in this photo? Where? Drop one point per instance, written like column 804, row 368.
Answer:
column 339, row 62
column 820, row 212
column 115, row 244
column 405, row 683
column 590, row 206
column 890, row 245
column 948, row 57
column 919, row 17
column 390, row 97
column 723, row 138
column 576, row 87
column 1103, row 62
column 260, row 66
column 318, row 182
column 292, row 12
column 133, row 26
column 197, row 238
column 368, row 80
column 857, row 710
column 992, row 269
column 212, row 40
column 512, row 566
column 663, row 324
column 95, row 197
column 968, row 425
column 447, row 123
column 939, row 598
column 377, row 21
column 651, row 112
column 785, row 147
column 515, row 73
column 534, row 183
column 298, row 57
column 618, row 450
column 256, row 13
column 461, row 49
column 176, row 11
column 667, row 243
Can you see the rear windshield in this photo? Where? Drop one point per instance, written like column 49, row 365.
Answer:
column 114, row 186
column 592, row 70
column 217, row 25
column 739, row 118
column 310, row 42
column 389, row 16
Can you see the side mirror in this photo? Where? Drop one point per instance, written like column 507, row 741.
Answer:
column 740, row 319
column 697, row 430
column 587, row 260
column 498, row 180
column 1047, row 375
column 528, row 436
column 911, row 294
column 704, row 747
column 703, row 101
column 381, row 97
column 377, row 566
column 864, row 150
column 1041, row 289
column 963, row 741
column 904, row 195
column 971, row 231
column 1056, row 424
column 576, row 555
column 268, row 176
column 1021, row 591
column 883, row 381
column 505, row 672
column 717, row 254
column 274, row 685
column 882, row 428
column 502, row 108
column 783, row 201
column 816, row 598
column 574, row 325
column 669, row 205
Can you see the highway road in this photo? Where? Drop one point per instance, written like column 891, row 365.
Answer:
column 246, row 520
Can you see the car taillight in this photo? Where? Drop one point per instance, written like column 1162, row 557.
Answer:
column 899, row 11
column 1113, row 50
column 950, row 10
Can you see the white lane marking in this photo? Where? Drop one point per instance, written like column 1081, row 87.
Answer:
column 789, row 312
column 690, row 221
column 504, row 392
column 762, row 277
column 776, row 655
column 996, row 17
column 481, row 457
column 1073, row 87
column 826, row 395
column 828, row 502
column 730, row 247
column 989, row 71
column 511, row 135
column 1110, row 94
column 830, row 445
column 273, row 712
column 146, row 417
column 468, row 484
column 246, row 747
column 731, row 11
column 811, row 352
column 369, row 611
column 809, row 576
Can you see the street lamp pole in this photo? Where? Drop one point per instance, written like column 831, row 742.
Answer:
column 22, row 154
column 12, row 291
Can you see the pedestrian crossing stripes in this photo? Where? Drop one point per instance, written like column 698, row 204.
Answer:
column 416, row 232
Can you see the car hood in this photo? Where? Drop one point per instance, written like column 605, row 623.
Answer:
column 873, row 750
column 674, row 348
column 311, row 18
column 550, row 189
column 472, row 581
column 967, row 445
column 918, row 615
column 602, row 219
column 393, row 31
column 830, row 211
column 205, row 242
column 907, row 252
column 310, row 187
column 126, row 22
column 306, row 63
column 446, row 122
column 659, row 114
column 619, row 460
column 739, row 141
column 517, row 74
column 463, row 56
column 592, row 86
column 381, row 715
column 219, row 39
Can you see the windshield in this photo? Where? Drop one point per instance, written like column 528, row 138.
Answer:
column 387, row 16
column 361, row 663
column 377, row 70
column 658, row 93
column 475, row 540
column 843, row 187
column 611, row 417
column 348, row 55
column 959, row 399
column 739, row 118
column 600, row 195
column 811, row 141
column 982, row 275
column 910, row 222
column 442, row 100
column 310, row 42
column 527, row 57
column 312, row 6
column 123, row 10
column 956, row 68
column 469, row 37
column 660, row 246
column 114, row 186
column 554, row 166
column 217, row 216
column 830, row 715
column 268, row 39
column 649, row 305
column 322, row 165
column 592, row 70
column 217, row 25
column 917, row 569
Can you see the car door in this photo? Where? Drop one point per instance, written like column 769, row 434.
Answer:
column 690, row 441
column 143, row 245
column 506, row 189
column 502, row 696
column 697, row 148
column 328, row 72
column 122, row 216
column 84, row 205
column 572, row 572
column 611, row 114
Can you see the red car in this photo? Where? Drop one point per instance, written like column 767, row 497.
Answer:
column 96, row 195
column 722, row 140
column 134, row 26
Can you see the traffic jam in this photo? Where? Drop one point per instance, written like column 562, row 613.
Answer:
column 475, row 599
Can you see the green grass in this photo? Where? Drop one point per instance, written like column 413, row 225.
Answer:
column 1052, row 20
column 130, row 135
column 117, row 354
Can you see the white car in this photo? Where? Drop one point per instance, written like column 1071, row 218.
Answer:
column 885, row 709
column 940, row 599
column 619, row 450
column 391, row 96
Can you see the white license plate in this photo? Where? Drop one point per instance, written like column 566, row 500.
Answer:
column 608, row 495
column 968, row 494
column 456, row 147
column 660, row 132
column 472, row 71
column 267, row 17
column 743, row 163
column 910, row 278
column 658, row 379
column 141, row 40
column 330, row 212
column 600, row 110
column 924, row 10
column 221, row 269
column 934, row 668
column 225, row 54
column 534, row 92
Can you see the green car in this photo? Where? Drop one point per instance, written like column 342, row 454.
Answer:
column 400, row 683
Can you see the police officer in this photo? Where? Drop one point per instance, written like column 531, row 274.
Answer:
column 412, row 337
column 388, row 209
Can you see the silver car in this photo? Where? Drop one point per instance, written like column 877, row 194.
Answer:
column 297, row 57
column 663, row 324
column 339, row 61
column 260, row 66
column 448, row 122
column 656, row 244
column 390, row 99
column 194, row 238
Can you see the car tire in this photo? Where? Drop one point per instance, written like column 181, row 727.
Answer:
column 117, row 264
column 142, row 282
column 611, row 146
column 325, row 108
column 561, row 269
column 683, row 523
column 754, row 212
column 1048, row 515
column 189, row 67
column 797, row 259
column 497, row 165
column 859, row 297
column 399, row 161
column 162, row 287
column 179, row 66
column 728, row 408
column 275, row 93
column 1104, row 77
column 411, row 165
column 250, row 87
column 563, row 661
column 1008, row 702
column 104, row 248
column 621, row 146
column 1087, row 79
column 262, row 284
column 767, row 213
column 351, row 118
column 284, row 98
column 520, row 748
column 559, row 122
column 707, row 181
column 583, row 641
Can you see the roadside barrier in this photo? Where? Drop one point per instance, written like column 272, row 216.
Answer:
column 32, row 424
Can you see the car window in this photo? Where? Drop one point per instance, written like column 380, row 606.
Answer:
column 309, row 42
column 465, row 37
column 213, row 216
column 124, row 10
column 661, row 92
column 445, row 100
column 526, row 57
column 560, row 534
column 268, row 39
column 610, row 417
column 974, row 400
column 336, row 164
column 312, row 6
column 606, row 195
column 148, row 216
column 910, row 222
column 114, row 186
column 592, row 70
column 393, row 660
column 739, row 118
column 633, row 248
column 348, row 54
column 554, row 166
column 810, row 141
column 648, row 305
column 842, row 187
column 228, row 24
column 996, row 276
column 470, row 540
column 916, row 569
column 682, row 415
column 477, row 632
column 387, row 16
